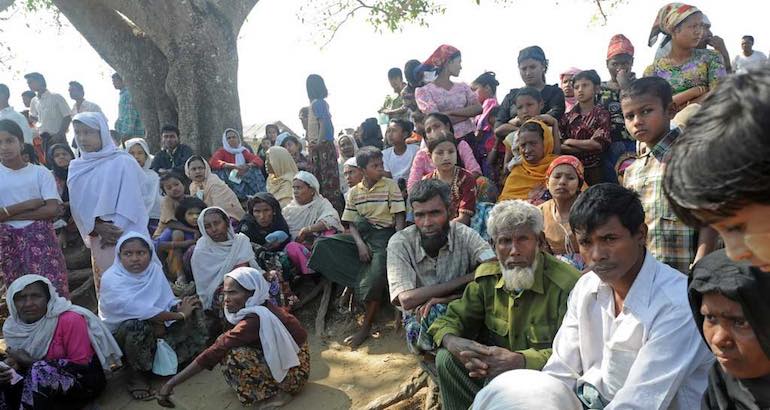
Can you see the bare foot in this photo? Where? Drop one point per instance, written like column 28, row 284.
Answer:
column 358, row 338
column 277, row 401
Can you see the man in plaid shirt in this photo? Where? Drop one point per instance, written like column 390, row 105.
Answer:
column 647, row 110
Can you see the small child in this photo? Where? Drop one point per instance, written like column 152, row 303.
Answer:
column 393, row 108
column 586, row 128
column 374, row 211
column 353, row 174
column 174, row 187
column 173, row 243
column 398, row 158
column 648, row 109
column 485, row 87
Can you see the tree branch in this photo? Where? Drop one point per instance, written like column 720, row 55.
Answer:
column 601, row 10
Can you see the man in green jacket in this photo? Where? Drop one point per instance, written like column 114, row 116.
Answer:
column 509, row 314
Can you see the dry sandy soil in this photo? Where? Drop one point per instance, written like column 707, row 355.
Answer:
column 339, row 377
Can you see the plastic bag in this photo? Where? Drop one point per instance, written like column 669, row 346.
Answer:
column 165, row 362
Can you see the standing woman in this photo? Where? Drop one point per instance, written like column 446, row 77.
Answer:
column 105, row 186
column 138, row 149
column 457, row 100
column 281, row 169
column 28, row 204
column 320, row 142
column 238, row 167
column 691, row 71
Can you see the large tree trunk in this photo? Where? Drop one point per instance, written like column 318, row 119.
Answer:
column 178, row 58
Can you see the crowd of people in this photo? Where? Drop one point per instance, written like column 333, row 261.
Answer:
column 559, row 250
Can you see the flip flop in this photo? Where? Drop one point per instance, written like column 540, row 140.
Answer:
column 147, row 389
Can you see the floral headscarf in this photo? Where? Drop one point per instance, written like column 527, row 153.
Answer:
column 669, row 16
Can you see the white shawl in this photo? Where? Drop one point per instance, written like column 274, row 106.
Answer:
column 124, row 295
column 238, row 152
column 212, row 260
column 278, row 346
column 319, row 209
column 106, row 183
column 35, row 338
column 151, row 184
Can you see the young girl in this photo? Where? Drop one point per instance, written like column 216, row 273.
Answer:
column 398, row 158
column 210, row 189
column 462, row 184
column 320, row 142
column 586, row 128
column 29, row 202
column 485, row 87
column 138, row 149
column 173, row 187
column 60, row 156
column 422, row 165
column 292, row 144
column 173, row 243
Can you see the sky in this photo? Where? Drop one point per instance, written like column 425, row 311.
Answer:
column 277, row 50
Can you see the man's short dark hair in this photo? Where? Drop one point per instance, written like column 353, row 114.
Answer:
column 4, row 91
column 750, row 38
column 36, row 77
column 116, row 76
column 427, row 189
column 395, row 72
column 366, row 154
column 652, row 86
column 170, row 128
column 28, row 93
column 594, row 207
column 77, row 85
column 721, row 162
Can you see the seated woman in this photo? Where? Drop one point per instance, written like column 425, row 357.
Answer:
column 265, row 356
column 422, row 165
column 281, row 169
column 137, row 305
column 238, row 167
column 139, row 149
column 527, row 180
column 691, row 71
column 172, row 243
column 61, row 350
column 729, row 304
column 309, row 216
column 565, row 180
column 59, row 158
column 443, row 152
column 211, row 189
column 173, row 187
column 292, row 144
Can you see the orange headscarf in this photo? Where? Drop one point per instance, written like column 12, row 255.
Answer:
column 526, row 177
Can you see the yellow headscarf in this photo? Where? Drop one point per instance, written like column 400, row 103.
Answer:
column 280, row 180
column 525, row 177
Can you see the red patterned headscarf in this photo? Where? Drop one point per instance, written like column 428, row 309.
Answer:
column 441, row 56
column 569, row 160
column 669, row 16
column 620, row 44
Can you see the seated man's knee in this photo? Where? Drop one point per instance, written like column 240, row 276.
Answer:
column 526, row 389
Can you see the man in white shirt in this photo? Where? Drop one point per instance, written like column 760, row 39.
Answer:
column 49, row 110
column 748, row 58
column 628, row 340
column 77, row 93
column 8, row 113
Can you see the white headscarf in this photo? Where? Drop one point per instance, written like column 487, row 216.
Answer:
column 341, row 159
column 278, row 345
column 319, row 209
column 212, row 260
column 124, row 295
column 238, row 152
column 106, row 183
column 151, row 185
column 35, row 338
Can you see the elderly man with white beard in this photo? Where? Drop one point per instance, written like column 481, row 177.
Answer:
column 510, row 312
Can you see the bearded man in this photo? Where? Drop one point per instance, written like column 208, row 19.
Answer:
column 430, row 262
column 509, row 314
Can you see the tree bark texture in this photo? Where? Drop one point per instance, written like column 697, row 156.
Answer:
column 178, row 59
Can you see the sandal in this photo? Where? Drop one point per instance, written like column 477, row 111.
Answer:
column 133, row 389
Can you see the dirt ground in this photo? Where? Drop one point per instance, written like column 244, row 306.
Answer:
column 339, row 377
